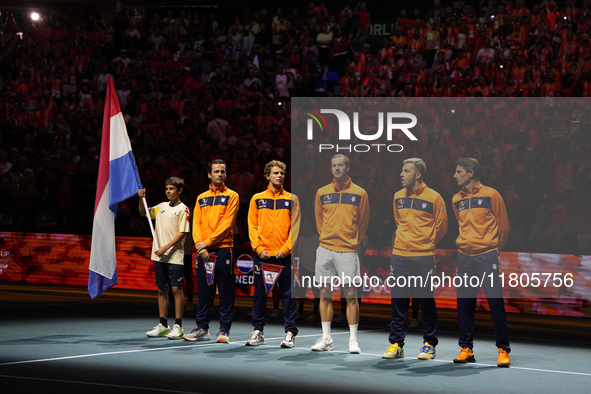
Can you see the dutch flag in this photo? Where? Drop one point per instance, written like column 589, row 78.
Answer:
column 118, row 180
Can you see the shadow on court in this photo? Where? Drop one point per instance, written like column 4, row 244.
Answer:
column 82, row 346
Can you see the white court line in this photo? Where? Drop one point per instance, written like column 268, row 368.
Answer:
column 145, row 350
column 271, row 339
column 99, row 384
column 484, row 365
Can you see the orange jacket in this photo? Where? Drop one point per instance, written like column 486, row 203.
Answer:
column 214, row 216
column 421, row 221
column 273, row 221
column 341, row 216
column 483, row 220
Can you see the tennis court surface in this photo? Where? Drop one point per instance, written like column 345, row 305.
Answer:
column 56, row 339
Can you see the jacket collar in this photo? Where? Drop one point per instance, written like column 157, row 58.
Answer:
column 475, row 190
column 418, row 190
column 276, row 193
column 220, row 189
column 345, row 186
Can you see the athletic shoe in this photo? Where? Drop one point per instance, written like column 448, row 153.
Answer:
column 158, row 331
column 176, row 333
column 274, row 314
column 394, row 351
column 189, row 307
column 323, row 345
column 414, row 323
column 340, row 319
column 466, row 356
column 503, row 359
column 198, row 334
column 256, row 339
column 223, row 337
column 312, row 318
column 427, row 352
column 354, row 346
column 288, row 341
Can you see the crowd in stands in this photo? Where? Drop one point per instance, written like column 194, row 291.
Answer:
column 193, row 89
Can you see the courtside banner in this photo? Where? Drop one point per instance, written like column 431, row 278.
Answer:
column 62, row 259
column 118, row 180
column 532, row 202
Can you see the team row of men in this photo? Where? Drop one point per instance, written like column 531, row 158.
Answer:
column 342, row 215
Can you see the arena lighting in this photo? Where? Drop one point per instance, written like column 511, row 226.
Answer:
column 35, row 16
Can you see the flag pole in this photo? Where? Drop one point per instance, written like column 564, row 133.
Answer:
column 150, row 222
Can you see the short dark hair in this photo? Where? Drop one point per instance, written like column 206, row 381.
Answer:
column 175, row 181
column 469, row 164
column 216, row 161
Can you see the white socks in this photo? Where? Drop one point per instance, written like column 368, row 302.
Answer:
column 326, row 330
column 353, row 330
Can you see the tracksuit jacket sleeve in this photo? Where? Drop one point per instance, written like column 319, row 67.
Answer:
column 500, row 213
column 318, row 213
column 363, row 216
column 440, row 216
column 227, row 223
column 456, row 212
column 253, row 227
column 294, row 231
column 396, row 214
column 197, row 236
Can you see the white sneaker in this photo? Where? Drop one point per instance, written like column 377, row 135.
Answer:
column 198, row 334
column 274, row 314
column 176, row 333
column 256, row 339
column 354, row 347
column 158, row 331
column 288, row 341
column 323, row 344
column 223, row 337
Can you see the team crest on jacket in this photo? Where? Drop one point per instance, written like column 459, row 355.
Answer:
column 353, row 199
column 286, row 203
column 223, row 199
column 424, row 205
column 264, row 202
column 480, row 201
column 327, row 198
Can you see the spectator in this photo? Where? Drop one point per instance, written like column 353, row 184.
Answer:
column 545, row 236
column 556, row 212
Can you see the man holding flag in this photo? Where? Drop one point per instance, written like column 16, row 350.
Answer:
column 118, row 180
column 273, row 223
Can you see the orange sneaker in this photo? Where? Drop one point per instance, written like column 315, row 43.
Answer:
column 466, row 356
column 503, row 359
